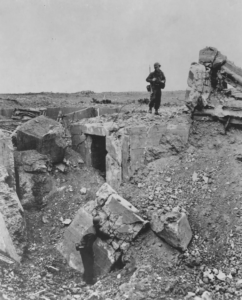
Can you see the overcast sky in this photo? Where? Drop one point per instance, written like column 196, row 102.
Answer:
column 108, row 45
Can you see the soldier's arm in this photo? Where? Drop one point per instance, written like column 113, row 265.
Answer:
column 149, row 78
column 103, row 235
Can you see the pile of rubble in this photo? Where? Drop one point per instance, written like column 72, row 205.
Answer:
column 25, row 114
column 208, row 90
column 103, row 101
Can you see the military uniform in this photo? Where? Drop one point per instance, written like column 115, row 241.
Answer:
column 155, row 97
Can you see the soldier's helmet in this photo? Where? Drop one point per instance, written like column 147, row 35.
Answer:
column 157, row 64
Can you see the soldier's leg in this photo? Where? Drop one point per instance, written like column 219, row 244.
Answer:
column 157, row 100
column 152, row 100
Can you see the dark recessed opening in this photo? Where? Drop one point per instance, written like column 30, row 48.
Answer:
column 98, row 153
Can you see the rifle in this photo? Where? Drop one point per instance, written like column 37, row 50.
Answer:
column 149, row 88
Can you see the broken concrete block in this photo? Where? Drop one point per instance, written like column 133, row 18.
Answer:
column 100, row 129
column 33, row 187
column 174, row 228
column 105, row 191
column 7, row 157
column 119, row 220
column 104, row 254
column 31, row 161
column 229, row 72
column 12, row 211
column 6, row 244
column 211, row 55
column 44, row 135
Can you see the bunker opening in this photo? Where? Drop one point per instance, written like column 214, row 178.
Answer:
column 98, row 154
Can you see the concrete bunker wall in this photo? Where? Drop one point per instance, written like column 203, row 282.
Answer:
column 126, row 149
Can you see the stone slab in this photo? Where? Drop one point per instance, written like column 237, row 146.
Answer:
column 104, row 254
column 44, row 135
column 174, row 228
column 119, row 219
column 6, row 244
column 97, row 128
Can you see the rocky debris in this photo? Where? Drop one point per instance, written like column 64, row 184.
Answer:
column 119, row 221
column 103, row 101
column 221, row 68
column 31, row 161
column 174, row 228
column 208, row 96
column 83, row 191
column 144, row 101
column 44, row 135
column 34, row 180
column 199, row 85
column 25, row 114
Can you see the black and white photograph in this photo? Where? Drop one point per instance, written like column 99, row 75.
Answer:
column 120, row 150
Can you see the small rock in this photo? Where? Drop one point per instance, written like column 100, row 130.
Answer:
column 233, row 272
column 61, row 167
column 189, row 296
column 194, row 177
column 67, row 222
column 205, row 280
column 215, row 271
column 221, row 276
column 176, row 209
column 45, row 219
column 239, row 284
column 83, row 191
column 206, row 296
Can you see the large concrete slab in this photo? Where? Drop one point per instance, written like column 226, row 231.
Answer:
column 44, row 135
column 119, row 220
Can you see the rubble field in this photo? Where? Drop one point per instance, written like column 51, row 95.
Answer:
column 167, row 189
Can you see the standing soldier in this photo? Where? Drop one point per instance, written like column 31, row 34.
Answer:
column 157, row 81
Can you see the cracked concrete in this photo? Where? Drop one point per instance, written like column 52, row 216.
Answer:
column 119, row 219
column 130, row 147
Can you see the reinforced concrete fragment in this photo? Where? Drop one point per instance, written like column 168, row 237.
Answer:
column 119, row 219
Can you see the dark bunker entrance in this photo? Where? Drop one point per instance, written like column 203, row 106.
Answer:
column 98, row 154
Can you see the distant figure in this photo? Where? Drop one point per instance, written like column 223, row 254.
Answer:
column 157, row 81
column 86, row 249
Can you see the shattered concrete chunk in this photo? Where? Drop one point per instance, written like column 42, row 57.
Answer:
column 34, row 182
column 6, row 244
column 31, row 161
column 12, row 212
column 44, row 135
column 200, row 87
column 105, row 191
column 174, row 228
column 119, row 220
